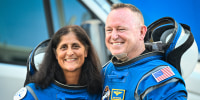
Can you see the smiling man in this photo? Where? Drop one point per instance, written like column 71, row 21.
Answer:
column 125, row 32
column 136, row 72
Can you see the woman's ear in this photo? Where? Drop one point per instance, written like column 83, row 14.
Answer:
column 54, row 50
column 86, row 52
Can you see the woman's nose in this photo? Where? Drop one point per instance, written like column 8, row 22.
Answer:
column 70, row 52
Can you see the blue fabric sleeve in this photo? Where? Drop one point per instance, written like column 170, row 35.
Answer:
column 28, row 96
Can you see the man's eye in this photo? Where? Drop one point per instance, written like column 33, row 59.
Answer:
column 108, row 30
column 121, row 30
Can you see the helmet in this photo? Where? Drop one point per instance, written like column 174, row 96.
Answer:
column 180, row 47
column 35, row 58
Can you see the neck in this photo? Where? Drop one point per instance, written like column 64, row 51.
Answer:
column 72, row 77
column 137, row 52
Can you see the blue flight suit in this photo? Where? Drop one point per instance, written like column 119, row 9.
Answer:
column 58, row 91
column 136, row 79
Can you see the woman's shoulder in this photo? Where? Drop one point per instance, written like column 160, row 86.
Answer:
column 25, row 93
column 32, row 85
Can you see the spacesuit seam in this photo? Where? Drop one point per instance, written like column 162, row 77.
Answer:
column 32, row 92
column 148, row 90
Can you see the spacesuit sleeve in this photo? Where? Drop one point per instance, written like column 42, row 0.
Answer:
column 168, row 91
column 24, row 94
column 169, row 88
column 177, row 96
column 29, row 96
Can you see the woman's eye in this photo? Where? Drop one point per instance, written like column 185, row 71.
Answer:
column 63, row 47
column 76, row 46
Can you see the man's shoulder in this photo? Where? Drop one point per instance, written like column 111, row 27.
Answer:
column 160, row 78
column 106, row 64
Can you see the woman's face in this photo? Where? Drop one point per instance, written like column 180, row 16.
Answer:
column 70, row 53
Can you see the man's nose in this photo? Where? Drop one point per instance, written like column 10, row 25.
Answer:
column 115, row 35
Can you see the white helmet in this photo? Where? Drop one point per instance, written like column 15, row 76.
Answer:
column 181, row 49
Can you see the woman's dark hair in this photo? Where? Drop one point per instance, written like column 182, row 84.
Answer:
column 50, row 69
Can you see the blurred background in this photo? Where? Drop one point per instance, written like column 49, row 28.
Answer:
column 26, row 23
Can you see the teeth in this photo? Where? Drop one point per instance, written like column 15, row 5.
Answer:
column 69, row 59
column 116, row 43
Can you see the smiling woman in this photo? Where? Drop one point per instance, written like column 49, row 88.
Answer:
column 71, row 55
column 67, row 71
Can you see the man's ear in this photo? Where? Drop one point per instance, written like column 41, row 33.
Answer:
column 143, row 32
column 54, row 50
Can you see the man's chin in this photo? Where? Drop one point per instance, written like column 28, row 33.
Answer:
column 116, row 52
column 121, row 56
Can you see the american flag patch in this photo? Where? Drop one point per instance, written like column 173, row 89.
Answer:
column 163, row 74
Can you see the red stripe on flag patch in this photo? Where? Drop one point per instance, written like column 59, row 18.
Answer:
column 163, row 74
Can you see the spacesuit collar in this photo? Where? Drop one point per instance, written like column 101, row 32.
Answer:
column 69, row 86
column 145, row 54
column 116, row 61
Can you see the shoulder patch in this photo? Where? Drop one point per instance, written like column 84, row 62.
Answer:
column 20, row 94
column 163, row 73
column 106, row 93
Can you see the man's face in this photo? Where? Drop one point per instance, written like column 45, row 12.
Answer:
column 123, row 32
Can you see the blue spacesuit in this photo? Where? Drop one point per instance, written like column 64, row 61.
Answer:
column 146, row 77
column 56, row 91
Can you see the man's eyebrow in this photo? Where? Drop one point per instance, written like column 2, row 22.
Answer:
column 107, row 27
